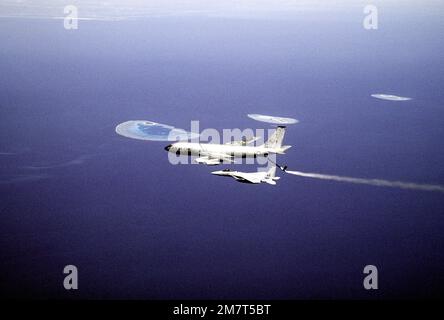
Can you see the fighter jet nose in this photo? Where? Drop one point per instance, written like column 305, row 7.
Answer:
column 168, row 147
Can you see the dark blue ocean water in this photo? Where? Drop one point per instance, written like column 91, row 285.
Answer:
column 74, row 192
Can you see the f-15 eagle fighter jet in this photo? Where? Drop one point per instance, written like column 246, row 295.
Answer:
column 251, row 177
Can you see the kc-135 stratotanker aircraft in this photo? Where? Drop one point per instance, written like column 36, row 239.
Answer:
column 213, row 153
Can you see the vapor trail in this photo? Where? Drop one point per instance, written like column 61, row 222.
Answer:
column 372, row 182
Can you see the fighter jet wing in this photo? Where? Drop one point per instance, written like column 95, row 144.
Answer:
column 250, row 177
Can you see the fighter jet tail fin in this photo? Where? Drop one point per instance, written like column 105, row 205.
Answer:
column 271, row 173
column 271, row 178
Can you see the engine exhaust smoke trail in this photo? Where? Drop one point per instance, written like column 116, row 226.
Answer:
column 372, row 182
